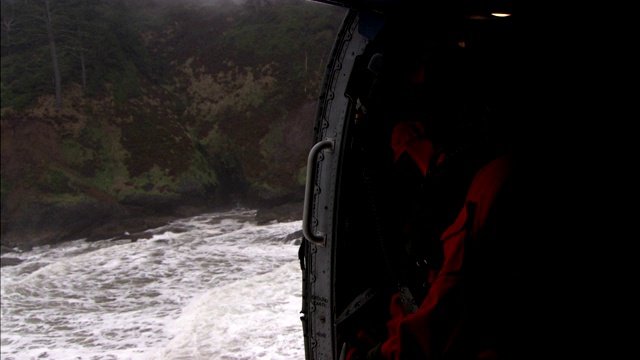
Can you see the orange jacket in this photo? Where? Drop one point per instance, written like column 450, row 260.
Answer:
column 459, row 318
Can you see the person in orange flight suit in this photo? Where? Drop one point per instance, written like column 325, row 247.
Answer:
column 472, row 307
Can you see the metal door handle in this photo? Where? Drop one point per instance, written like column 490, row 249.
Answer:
column 308, row 196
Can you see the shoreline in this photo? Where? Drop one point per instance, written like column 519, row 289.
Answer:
column 130, row 228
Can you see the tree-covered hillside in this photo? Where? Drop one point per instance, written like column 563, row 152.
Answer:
column 116, row 110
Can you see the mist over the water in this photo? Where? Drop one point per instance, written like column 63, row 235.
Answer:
column 215, row 286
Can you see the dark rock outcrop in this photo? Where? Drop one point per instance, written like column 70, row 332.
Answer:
column 45, row 224
column 9, row 261
column 281, row 213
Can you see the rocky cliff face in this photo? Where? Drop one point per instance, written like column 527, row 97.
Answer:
column 50, row 198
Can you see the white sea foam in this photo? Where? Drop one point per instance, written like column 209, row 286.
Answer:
column 215, row 286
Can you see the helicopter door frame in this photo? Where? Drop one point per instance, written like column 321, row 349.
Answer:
column 334, row 111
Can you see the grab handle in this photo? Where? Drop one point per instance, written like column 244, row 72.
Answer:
column 308, row 201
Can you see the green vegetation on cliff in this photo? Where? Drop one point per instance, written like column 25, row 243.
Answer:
column 117, row 100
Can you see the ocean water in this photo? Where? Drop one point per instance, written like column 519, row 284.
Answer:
column 215, row 286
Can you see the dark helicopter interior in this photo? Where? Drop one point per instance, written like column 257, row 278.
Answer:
column 537, row 92
column 471, row 59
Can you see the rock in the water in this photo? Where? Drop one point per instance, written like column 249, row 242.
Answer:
column 5, row 249
column 294, row 236
column 6, row 261
column 282, row 213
